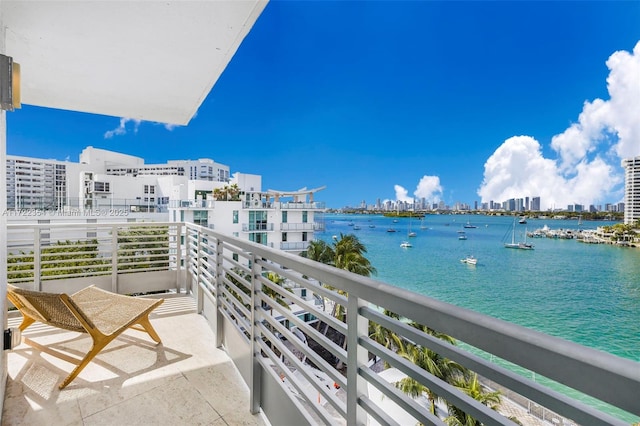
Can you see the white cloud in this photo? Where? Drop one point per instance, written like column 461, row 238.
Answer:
column 587, row 169
column 401, row 194
column 122, row 128
column 429, row 188
column 517, row 169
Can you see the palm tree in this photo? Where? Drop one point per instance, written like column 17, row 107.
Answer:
column 349, row 255
column 473, row 388
column 319, row 251
column 277, row 279
column 434, row 364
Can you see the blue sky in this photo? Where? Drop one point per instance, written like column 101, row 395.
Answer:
column 454, row 101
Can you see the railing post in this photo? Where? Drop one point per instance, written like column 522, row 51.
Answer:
column 187, row 261
column 199, row 295
column 254, row 379
column 178, row 257
column 114, row 259
column 357, row 326
column 37, row 258
column 219, row 284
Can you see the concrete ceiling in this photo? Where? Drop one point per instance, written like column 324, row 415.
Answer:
column 149, row 60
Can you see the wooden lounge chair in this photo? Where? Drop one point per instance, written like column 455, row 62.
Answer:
column 101, row 314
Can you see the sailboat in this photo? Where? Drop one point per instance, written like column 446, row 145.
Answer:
column 422, row 225
column 518, row 245
column 411, row 233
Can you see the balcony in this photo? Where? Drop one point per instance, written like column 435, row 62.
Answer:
column 191, row 204
column 309, row 226
column 257, row 227
column 294, row 245
column 224, row 280
column 302, row 206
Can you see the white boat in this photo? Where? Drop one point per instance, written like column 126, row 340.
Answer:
column 410, row 234
column 405, row 244
column 356, row 227
column 462, row 237
column 469, row 225
column 469, row 260
column 523, row 220
column 522, row 245
column 422, row 225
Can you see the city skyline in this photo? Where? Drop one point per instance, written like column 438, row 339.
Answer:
column 453, row 101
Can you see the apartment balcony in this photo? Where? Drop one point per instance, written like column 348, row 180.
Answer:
column 257, row 227
column 224, row 354
column 302, row 206
column 309, row 226
column 296, row 246
column 191, row 204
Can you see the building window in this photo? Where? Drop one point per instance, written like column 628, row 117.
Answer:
column 101, row 187
column 284, row 217
column 284, row 237
column 304, row 236
column 258, row 237
column 304, row 216
column 257, row 220
column 181, row 215
column 146, row 189
column 201, row 217
column 235, row 216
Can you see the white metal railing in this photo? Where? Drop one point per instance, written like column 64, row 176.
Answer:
column 252, row 227
column 316, row 205
column 309, row 226
column 46, row 256
column 192, row 204
column 294, row 245
column 231, row 276
column 267, row 331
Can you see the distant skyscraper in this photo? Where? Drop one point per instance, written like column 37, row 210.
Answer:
column 535, row 204
column 631, row 203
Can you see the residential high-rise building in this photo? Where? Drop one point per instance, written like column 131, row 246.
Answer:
column 286, row 220
column 34, row 183
column 535, row 204
column 631, row 189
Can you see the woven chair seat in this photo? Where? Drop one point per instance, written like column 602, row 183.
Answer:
column 101, row 314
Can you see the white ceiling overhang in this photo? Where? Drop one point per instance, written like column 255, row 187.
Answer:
column 147, row 60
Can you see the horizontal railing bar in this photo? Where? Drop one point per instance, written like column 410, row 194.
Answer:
column 446, row 391
column 319, row 410
column 547, row 397
column 406, row 403
column 317, row 359
column 313, row 381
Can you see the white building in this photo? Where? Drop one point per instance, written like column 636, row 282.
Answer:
column 631, row 189
column 285, row 220
column 102, row 179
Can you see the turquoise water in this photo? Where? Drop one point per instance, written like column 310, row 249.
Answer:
column 586, row 293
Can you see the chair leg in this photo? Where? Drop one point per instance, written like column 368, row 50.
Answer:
column 26, row 322
column 146, row 324
column 98, row 345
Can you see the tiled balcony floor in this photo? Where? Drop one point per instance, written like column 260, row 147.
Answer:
column 184, row 381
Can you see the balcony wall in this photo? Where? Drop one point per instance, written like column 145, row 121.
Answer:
column 228, row 278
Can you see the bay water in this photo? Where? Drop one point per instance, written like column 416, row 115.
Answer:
column 585, row 293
